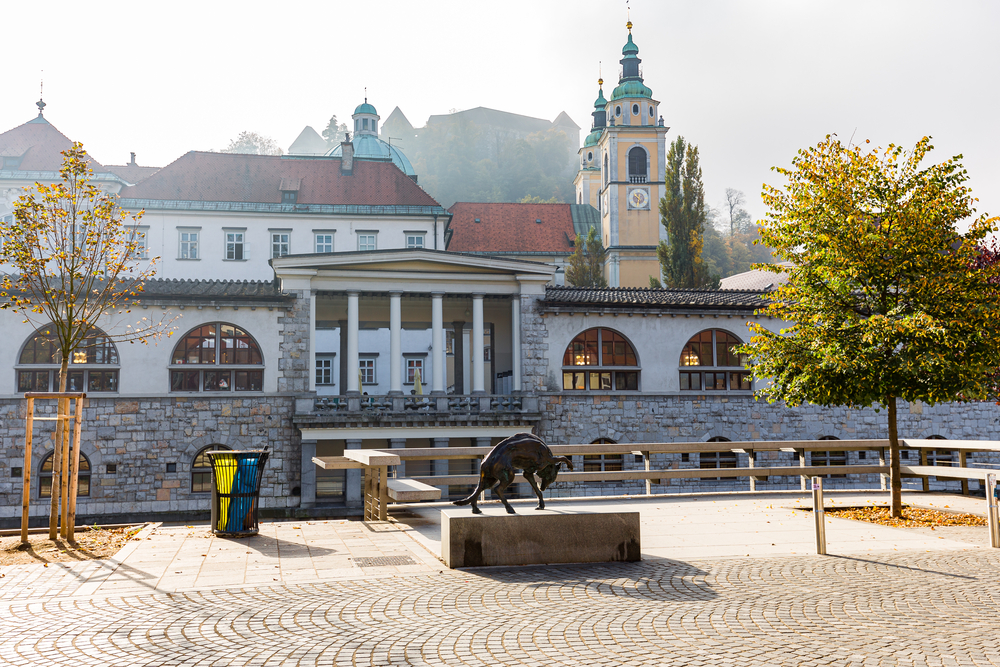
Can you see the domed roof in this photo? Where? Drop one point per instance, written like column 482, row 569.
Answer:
column 630, row 49
column 364, row 107
column 600, row 102
column 370, row 147
column 632, row 88
column 593, row 138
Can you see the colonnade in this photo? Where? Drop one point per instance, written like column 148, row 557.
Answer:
column 438, row 351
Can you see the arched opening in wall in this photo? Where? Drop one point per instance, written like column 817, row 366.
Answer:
column 831, row 457
column 637, row 171
column 710, row 362
column 201, row 469
column 224, row 357
column 602, row 462
column 93, row 366
column 607, row 172
column 716, row 460
column 600, row 359
column 940, row 457
column 45, row 476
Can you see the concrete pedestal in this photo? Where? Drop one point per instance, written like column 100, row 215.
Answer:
column 538, row 538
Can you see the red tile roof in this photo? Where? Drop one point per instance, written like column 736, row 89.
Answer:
column 132, row 173
column 41, row 146
column 233, row 177
column 511, row 228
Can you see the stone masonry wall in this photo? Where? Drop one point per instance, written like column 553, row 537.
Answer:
column 534, row 345
column 141, row 436
column 583, row 418
column 293, row 360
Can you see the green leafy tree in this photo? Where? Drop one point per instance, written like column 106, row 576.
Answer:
column 334, row 133
column 683, row 214
column 253, row 143
column 586, row 264
column 884, row 299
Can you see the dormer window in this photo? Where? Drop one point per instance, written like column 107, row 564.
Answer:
column 289, row 197
column 289, row 188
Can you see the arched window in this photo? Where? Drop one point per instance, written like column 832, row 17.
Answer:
column 92, row 366
column 45, row 476
column 610, row 361
column 833, row 457
column 719, row 366
column 715, row 460
column 602, row 462
column 201, row 470
column 607, row 172
column 227, row 359
column 637, row 164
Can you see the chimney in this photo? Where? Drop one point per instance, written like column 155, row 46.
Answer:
column 132, row 163
column 347, row 155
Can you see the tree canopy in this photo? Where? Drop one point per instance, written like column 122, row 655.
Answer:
column 334, row 133
column 586, row 264
column 885, row 299
column 253, row 143
column 683, row 214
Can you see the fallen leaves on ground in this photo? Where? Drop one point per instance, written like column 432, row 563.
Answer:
column 91, row 544
column 913, row 517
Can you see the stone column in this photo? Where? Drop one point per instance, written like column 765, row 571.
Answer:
column 353, row 386
column 515, row 338
column 342, row 358
column 307, row 480
column 353, row 493
column 437, row 344
column 440, row 466
column 395, row 344
column 399, row 443
column 459, row 356
column 478, row 370
column 312, row 341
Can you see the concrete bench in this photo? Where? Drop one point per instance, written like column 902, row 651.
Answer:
column 404, row 490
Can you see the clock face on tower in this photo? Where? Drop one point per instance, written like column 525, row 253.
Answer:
column 638, row 198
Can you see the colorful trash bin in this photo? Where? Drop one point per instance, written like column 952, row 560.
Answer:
column 236, row 479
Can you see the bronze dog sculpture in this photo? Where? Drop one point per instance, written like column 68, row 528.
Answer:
column 525, row 452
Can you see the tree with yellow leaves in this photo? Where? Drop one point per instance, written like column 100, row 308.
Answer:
column 885, row 300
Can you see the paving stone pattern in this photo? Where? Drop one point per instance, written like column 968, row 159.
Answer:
column 886, row 609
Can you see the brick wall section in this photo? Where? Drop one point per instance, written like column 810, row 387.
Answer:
column 582, row 418
column 141, row 436
column 534, row 346
column 293, row 360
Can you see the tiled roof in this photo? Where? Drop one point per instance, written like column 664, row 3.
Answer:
column 755, row 279
column 511, row 228
column 644, row 297
column 40, row 145
column 216, row 290
column 131, row 173
column 233, row 177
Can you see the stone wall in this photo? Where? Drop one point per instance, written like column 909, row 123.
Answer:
column 583, row 418
column 141, row 436
column 534, row 346
column 293, row 359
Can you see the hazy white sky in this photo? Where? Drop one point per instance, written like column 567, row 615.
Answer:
column 749, row 82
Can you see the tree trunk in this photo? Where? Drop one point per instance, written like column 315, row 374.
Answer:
column 895, row 481
column 55, row 487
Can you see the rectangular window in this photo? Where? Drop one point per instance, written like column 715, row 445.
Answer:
column 324, row 243
column 367, row 370
column 739, row 381
column 573, row 381
column 289, row 197
column 184, row 380
column 413, row 367
column 102, row 380
column 830, row 458
column 279, row 244
column 324, row 370
column 414, row 240
column 32, row 381
column 712, row 460
column 188, row 245
column 142, row 242
column 249, row 380
column 600, row 381
column 366, row 240
column 690, row 381
column 626, row 381
column 602, row 462
column 234, row 246
column 217, row 380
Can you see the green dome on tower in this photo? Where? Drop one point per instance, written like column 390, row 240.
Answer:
column 364, row 107
column 630, row 49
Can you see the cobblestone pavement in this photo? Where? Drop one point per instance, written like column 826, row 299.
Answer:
column 936, row 608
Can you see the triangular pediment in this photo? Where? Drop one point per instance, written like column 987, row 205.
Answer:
column 411, row 261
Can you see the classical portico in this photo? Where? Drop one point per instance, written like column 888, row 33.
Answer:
column 424, row 349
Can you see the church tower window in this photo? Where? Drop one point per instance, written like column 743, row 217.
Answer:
column 637, row 165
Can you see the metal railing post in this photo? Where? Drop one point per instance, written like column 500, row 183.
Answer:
column 818, row 515
column 992, row 518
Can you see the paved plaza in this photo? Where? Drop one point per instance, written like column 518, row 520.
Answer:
column 347, row 593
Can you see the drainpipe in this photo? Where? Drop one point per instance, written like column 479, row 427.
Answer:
column 435, row 232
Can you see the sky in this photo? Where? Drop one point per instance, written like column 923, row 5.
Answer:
column 750, row 83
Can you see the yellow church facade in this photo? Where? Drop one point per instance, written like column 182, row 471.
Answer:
column 622, row 164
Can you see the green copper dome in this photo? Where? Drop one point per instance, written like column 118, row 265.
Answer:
column 633, row 88
column 600, row 102
column 630, row 49
column 366, row 108
column 593, row 137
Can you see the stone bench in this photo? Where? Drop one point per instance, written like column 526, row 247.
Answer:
column 404, row 490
